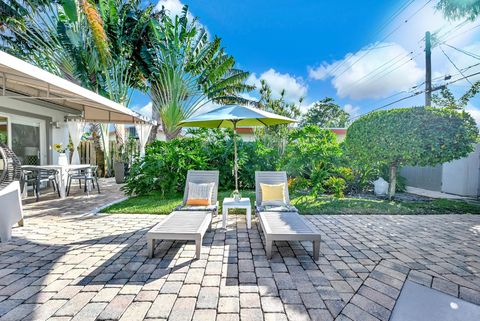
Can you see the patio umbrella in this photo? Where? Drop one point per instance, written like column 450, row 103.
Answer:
column 233, row 116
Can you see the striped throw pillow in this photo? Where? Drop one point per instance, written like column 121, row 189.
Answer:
column 200, row 194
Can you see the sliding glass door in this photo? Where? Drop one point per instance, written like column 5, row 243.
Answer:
column 26, row 143
column 26, row 136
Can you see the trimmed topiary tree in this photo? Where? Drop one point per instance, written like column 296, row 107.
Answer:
column 418, row 136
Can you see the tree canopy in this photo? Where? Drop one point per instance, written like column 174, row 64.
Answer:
column 418, row 136
column 186, row 70
column 326, row 113
column 458, row 9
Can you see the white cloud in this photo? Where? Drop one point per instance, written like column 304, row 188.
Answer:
column 294, row 87
column 174, row 8
column 354, row 111
column 368, row 73
column 475, row 112
column 146, row 110
column 206, row 107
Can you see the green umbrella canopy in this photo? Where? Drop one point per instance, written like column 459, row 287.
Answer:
column 233, row 116
column 241, row 116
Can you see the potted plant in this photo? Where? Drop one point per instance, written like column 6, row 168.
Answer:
column 119, row 164
column 62, row 157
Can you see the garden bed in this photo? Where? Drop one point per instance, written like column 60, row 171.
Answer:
column 156, row 204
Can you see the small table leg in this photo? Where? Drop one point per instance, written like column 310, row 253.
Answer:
column 224, row 216
column 62, row 182
column 249, row 217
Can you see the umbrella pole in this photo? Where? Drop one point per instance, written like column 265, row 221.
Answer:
column 235, row 166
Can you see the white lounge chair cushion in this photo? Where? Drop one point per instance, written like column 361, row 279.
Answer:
column 275, row 208
column 209, row 208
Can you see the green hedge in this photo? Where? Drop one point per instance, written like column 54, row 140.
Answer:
column 165, row 165
column 312, row 157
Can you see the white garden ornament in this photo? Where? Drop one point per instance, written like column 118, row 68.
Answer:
column 380, row 187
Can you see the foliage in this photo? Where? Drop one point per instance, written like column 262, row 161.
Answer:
column 326, row 113
column 336, row 185
column 89, row 42
column 457, row 9
column 419, row 136
column 186, row 70
column 276, row 136
column 59, row 148
column 446, row 99
column 165, row 165
column 312, row 153
column 155, row 203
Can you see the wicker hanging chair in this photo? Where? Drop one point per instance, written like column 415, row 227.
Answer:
column 11, row 169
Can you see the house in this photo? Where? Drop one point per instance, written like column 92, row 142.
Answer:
column 36, row 105
column 248, row 133
column 341, row 133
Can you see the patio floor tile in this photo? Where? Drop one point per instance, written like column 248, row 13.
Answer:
column 67, row 264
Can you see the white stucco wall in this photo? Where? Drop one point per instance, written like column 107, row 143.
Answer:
column 59, row 135
column 461, row 177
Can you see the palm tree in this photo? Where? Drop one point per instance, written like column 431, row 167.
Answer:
column 88, row 43
column 91, row 43
column 186, row 70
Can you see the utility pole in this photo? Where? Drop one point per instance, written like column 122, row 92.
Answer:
column 428, row 69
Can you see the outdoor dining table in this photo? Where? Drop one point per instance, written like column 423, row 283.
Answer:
column 62, row 173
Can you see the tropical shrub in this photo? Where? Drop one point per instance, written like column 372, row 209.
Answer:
column 336, row 186
column 312, row 153
column 165, row 165
column 418, row 136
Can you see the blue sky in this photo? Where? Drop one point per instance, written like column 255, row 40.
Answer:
column 357, row 52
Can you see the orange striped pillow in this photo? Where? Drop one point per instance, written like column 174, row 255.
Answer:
column 198, row 201
column 199, row 194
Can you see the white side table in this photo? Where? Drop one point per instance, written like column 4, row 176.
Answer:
column 229, row 203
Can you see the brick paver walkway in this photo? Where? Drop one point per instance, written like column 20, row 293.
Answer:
column 95, row 267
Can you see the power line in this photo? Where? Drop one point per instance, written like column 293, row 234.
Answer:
column 389, row 104
column 461, row 33
column 457, row 27
column 454, row 65
column 463, row 51
column 417, row 93
column 397, row 13
column 381, row 66
column 389, row 70
column 384, row 38
column 459, row 79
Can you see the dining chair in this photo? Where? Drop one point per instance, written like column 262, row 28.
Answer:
column 37, row 176
column 86, row 175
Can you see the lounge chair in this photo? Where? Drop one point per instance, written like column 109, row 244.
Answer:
column 272, row 178
column 283, row 222
column 181, row 226
column 201, row 177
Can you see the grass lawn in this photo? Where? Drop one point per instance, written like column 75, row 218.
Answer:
column 155, row 204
